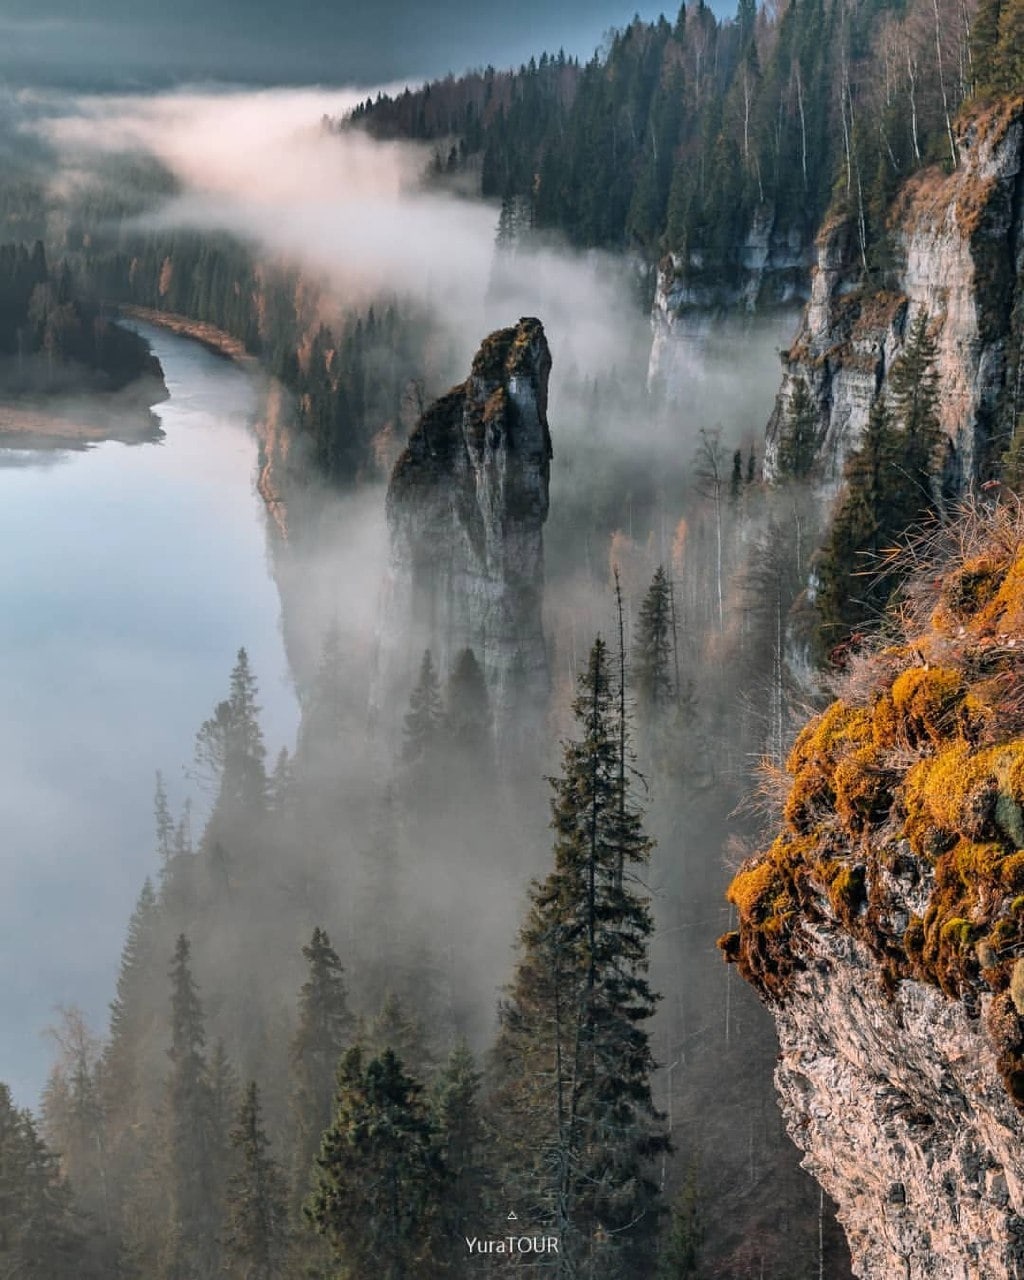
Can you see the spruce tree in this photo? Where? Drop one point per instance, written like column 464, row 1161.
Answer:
column 164, row 823
column 190, row 1153
column 984, row 43
column 324, row 1031
column 464, row 1143
column 393, row 1028
column 41, row 1234
column 132, row 1057
column 327, row 708
column 798, row 446
column 468, row 714
column 653, row 648
column 229, row 748
column 256, row 1236
column 681, row 1254
column 425, row 718
column 382, row 1185
column 914, row 385
column 846, row 594
column 573, row 1056
column 889, row 483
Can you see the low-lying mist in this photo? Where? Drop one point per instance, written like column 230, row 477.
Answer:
column 355, row 215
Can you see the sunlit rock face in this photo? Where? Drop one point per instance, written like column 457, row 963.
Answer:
column 466, row 507
column 898, row 1105
column 957, row 245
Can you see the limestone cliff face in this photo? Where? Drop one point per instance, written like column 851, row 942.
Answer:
column 897, row 1102
column 958, row 245
column 466, row 507
column 884, row 928
column 688, row 300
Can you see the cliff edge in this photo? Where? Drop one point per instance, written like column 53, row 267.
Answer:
column 884, row 927
column 956, row 243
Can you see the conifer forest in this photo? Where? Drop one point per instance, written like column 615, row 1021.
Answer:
column 513, row 595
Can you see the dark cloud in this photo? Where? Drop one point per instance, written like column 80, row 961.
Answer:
column 148, row 41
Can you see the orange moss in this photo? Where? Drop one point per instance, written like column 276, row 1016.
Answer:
column 926, row 781
column 925, row 703
column 863, row 788
column 1011, row 873
column 1004, row 612
column 968, row 590
column 817, row 751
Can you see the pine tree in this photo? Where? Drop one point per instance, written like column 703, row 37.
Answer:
column 681, row 1255
column 573, row 1056
column 41, row 1235
column 914, row 385
column 393, row 1028
column 256, row 1237
column 382, row 1184
column 189, row 1249
column 468, row 713
column 653, row 648
column 464, row 1142
column 798, row 446
column 888, row 488
column 425, row 717
column 164, row 823
column 230, row 750
column 324, row 1031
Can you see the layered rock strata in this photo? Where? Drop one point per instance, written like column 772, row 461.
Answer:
column 957, row 242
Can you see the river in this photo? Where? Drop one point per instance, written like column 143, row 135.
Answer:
column 129, row 577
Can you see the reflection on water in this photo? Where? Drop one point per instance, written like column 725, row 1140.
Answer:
column 129, row 577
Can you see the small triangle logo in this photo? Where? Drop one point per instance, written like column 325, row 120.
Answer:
column 512, row 1216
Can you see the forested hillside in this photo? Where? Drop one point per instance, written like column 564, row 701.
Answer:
column 699, row 136
column 357, row 380
column 397, row 983
column 52, row 338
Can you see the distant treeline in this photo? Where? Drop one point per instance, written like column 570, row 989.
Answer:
column 688, row 136
column 42, row 314
column 354, row 380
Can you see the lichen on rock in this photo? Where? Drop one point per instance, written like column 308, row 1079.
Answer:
column 884, row 926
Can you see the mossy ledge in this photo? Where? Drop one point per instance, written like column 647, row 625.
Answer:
column 903, row 825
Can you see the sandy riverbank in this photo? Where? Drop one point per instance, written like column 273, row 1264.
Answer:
column 211, row 337
column 77, row 421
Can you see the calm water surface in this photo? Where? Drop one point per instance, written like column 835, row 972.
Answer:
column 129, row 577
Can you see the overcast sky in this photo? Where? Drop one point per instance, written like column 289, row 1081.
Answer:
column 293, row 41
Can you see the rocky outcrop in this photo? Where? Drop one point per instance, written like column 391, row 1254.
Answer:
column 897, row 1102
column 690, row 300
column 884, row 928
column 957, row 241
column 466, row 507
